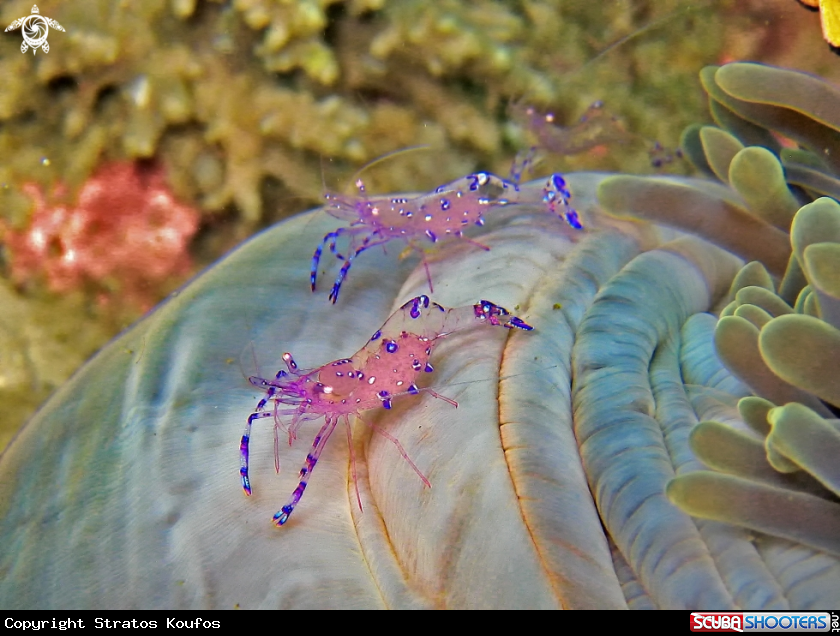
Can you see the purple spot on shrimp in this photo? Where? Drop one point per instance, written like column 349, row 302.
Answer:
column 479, row 221
column 445, row 204
column 391, row 347
column 573, row 219
column 431, row 236
column 386, row 399
column 429, row 368
column 413, row 389
column 376, row 336
column 416, row 365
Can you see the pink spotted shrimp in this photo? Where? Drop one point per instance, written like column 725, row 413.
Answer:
column 388, row 366
column 447, row 211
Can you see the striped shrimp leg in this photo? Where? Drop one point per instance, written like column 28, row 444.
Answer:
column 367, row 243
column 330, row 240
column 282, row 515
column 259, row 413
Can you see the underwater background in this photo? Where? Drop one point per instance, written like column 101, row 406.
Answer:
column 153, row 138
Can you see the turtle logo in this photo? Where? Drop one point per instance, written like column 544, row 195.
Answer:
column 35, row 30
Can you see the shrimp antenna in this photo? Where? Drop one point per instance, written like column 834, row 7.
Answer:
column 493, row 379
column 513, row 104
column 323, row 178
column 650, row 26
column 385, row 157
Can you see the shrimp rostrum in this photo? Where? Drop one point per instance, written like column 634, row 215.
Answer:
column 388, row 366
column 448, row 211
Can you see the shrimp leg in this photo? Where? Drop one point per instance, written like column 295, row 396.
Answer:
column 259, row 413
column 282, row 515
column 342, row 274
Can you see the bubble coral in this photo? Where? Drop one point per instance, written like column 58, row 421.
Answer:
column 126, row 231
column 774, row 461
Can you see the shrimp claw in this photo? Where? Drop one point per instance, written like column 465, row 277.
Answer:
column 556, row 194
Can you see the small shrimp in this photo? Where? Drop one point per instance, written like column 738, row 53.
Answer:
column 386, row 367
column 447, row 211
column 596, row 127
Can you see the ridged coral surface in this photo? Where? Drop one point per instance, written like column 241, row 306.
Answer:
column 548, row 481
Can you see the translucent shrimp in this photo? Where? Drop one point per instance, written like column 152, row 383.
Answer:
column 388, row 366
column 447, row 211
column 596, row 127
